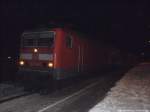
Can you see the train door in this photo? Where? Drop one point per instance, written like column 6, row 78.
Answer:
column 80, row 58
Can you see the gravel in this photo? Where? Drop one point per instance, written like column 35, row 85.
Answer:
column 9, row 90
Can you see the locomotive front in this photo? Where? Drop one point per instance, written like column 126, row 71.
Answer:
column 36, row 55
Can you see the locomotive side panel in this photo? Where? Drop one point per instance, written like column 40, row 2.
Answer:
column 57, row 54
column 69, row 56
column 92, row 54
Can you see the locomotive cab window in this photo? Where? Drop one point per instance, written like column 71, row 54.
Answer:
column 46, row 39
column 40, row 39
column 28, row 40
column 69, row 41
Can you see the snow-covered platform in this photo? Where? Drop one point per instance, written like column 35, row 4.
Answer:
column 130, row 94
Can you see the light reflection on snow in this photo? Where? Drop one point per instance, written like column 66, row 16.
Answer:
column 130, row 94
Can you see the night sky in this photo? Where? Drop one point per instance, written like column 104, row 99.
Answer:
column 124, row 24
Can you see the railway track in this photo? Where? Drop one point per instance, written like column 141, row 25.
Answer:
column 15, row 96
column 9, row 91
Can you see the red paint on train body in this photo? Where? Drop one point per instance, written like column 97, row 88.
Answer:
column 70, row 53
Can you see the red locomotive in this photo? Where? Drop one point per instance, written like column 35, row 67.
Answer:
column 61, row 53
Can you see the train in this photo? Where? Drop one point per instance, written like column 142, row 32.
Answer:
column 61, row 53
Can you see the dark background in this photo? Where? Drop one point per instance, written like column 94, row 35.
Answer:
column 124, row 24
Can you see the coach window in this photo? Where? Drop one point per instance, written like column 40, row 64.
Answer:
column 69, row 41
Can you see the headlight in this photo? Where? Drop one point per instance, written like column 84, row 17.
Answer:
column 35, row 50
column 21, row 63
column 50, row 64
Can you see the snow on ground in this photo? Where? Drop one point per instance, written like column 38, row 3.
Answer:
column 130, row 94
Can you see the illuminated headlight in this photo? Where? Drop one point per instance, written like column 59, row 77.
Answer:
column 35, row 50
column 21, row 63
column 50, row 64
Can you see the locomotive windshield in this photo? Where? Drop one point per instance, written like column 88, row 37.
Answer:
column 40, row 39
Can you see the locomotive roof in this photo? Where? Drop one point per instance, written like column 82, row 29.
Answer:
column 42, row 28
column 38, row 30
